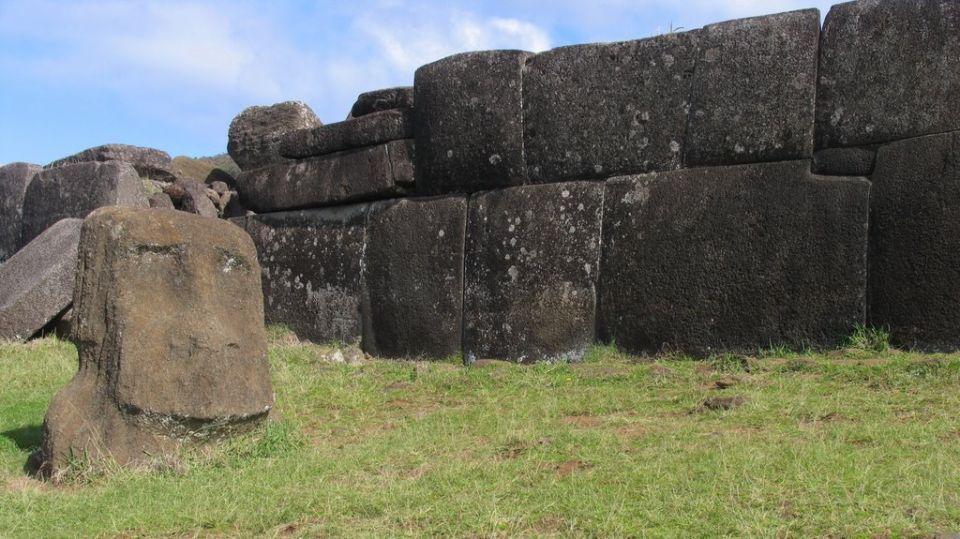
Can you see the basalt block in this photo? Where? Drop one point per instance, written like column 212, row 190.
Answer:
column 593, row 111
column 36, row 284
column 255, row 134
column 368, row 130
column 468, row 124
column 733, row 259
column 149, row 162
column 413, row 280
column 382, row 171
column 532, row 258
column 312, row 263
column 844, row 161
column 888, row 70
column 14, row 179
column 168, row 323
column 75, row 190
column 400, row 97
column 754, row 90
column 915, row 242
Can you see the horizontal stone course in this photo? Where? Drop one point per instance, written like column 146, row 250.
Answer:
column 381, row 171
column 732, row 259
column 368, row 130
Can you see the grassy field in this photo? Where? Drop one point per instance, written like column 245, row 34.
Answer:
column 849, row 444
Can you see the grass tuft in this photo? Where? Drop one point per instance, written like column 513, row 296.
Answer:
column 869, row 339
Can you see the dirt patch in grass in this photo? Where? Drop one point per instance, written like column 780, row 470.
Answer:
column 722, row 403
column 722, row 383
column 571, row 467
column 514, row 448
column 583, row 421
column 631, row 431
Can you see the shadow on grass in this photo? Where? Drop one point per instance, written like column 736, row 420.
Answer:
column 25, row 438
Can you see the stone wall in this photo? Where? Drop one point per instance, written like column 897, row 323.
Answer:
column 753, row 183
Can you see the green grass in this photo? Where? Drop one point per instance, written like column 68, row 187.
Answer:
column 845, row 444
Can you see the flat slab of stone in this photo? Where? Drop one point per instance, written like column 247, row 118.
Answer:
column 168, row 323
column 368, row 130
column 468, row 122
column 754, row 90
column 413, row 279
column 312, row 263
column 593, row 111
column 253, row 140
column 75, row 190
column 732, row 259
column 149, row 163
column 532, row 258
column 915, row 242
column 888, row 70
column 36, row 284
column 14, row 179
column 382, row 171
column 400, row 97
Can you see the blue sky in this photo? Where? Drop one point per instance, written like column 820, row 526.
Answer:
column 171, row 74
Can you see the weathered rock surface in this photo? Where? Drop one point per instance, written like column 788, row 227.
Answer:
column 844, row 161
column 413, row 280
column 732, row 259
column 254, row 135
column 532, row 258
column 382, row 171
column 888, row 70
column 915, row 242
column 468, row 122
column 36, row 284
column 593, row 111
column 148, row 162
column 169, row 328
column 75, row 190
column 400, row 97
column 312, row 264
column 14, row 179
column 195, row 198
column 161, row 201
column 368, row 130
column 754, row 90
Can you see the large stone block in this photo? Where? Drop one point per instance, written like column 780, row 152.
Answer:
column 367, row 130
column 253, row 140
column 400, row 97
column 36, row 284
column 168, row 324
column 732, row 259
column 382, row 171
column 413, row 290
column 75, row 190
column 754, row 90
column 468, row 123
column 888, row 70
column 532, row 258
column 593, row 111
column 14, row 179
column 312, row 262
column 915, row 242
column 148, row 162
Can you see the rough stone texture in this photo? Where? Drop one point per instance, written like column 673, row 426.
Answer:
column 754, row 90
column 413, row 291
column 312, row 262
column 195, row 199
column 169, row 329
column 532, row 258
column 148, row 162
column 844, row 161
column 400, row 97
column 368, row 130
column 732, row 259
column 888, row 70
column 367, row 173
column 36, row 284
column 161, row 201
column 592, row 111
column 77, row 189
column 14, row 179
column 254, row 137
column 468, row 122
column 915, row 242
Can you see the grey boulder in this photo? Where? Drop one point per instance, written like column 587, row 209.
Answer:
column 14, row 179
column 254, row 136
column 149, row 162
column 400, row 97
